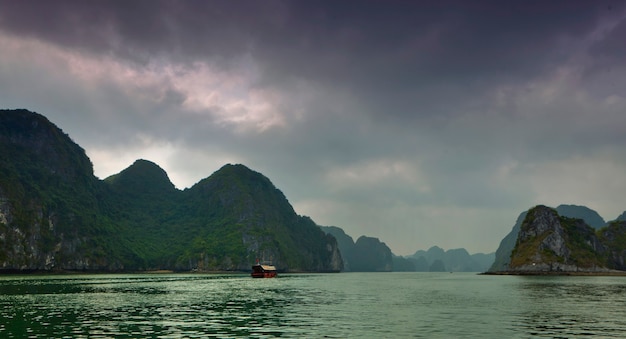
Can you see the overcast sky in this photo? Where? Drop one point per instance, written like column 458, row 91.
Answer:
column 418, row 122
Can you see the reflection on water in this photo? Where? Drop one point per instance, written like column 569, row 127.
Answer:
column 417, row 305
column 170, row 306
column 165, row 306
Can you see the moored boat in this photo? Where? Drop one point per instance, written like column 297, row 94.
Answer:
column 263, row 271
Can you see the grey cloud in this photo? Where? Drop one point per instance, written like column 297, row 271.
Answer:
column 349, row 41
column 400, row 57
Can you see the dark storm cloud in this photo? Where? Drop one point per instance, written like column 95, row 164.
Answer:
column 410, row 58
column 354, row 42
column 140, row 30
column 403, row 58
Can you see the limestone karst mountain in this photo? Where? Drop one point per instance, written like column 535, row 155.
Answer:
column 56, row 215
column 503, row 253
column 549, row 243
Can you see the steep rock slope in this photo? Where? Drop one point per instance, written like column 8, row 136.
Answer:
column 548, row 242
column 503, row 253
column 345, row 243
column 50, row 216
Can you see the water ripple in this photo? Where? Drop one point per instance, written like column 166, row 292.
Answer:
column 411, row 305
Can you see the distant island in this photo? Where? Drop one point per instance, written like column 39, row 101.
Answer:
column 369, row 254
column 549, row 243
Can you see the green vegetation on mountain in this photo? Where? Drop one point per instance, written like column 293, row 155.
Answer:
column 56, row 215
column 48, row 192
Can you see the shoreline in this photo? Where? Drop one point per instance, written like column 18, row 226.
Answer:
column 563, row 273
column 86, row 272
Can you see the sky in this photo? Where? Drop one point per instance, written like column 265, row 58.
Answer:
column 420, row 123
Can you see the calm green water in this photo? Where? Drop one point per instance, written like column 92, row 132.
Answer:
column 345, row 305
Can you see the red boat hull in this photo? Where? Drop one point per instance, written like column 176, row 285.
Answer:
column 263, row 274
column 263, row 271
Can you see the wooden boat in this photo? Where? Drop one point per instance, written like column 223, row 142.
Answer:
column 263, row 271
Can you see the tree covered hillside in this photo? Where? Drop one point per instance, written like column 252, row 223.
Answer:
column 56, row 215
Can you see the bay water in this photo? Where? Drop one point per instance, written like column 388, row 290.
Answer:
column 341, row 305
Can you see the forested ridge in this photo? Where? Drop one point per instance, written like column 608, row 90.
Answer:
column 56, row 215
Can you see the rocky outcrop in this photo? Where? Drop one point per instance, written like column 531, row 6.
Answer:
column 336, row 261
column 548, row 242
column 45, row 242
column 544, row 222
column 503, row 253
column 345, row 243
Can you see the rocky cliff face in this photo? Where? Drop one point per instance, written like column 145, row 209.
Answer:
column 548, row 242
column 48, row 204
column 37, row 244
column 503, row 253
column 336, row 261
column 345, row 243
